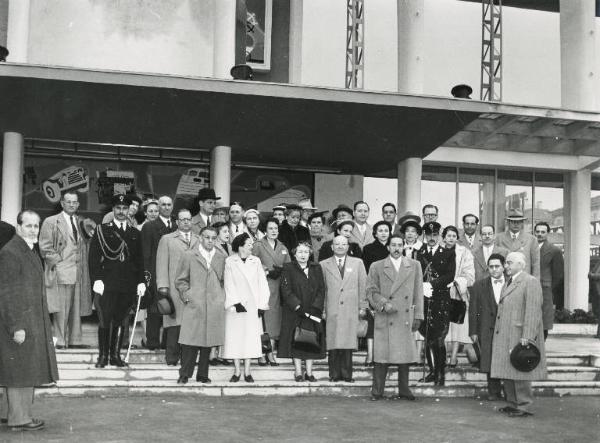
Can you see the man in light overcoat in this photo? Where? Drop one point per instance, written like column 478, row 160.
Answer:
column 200, row 289
column 345, row 301
column 395, row 290
column 519, row 320
column 486, row 248
column 68, row 288
column 517, row 240
column 171, row 249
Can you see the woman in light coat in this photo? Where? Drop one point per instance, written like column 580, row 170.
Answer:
column 272, row 254
column 463, row 279
column 246, row 299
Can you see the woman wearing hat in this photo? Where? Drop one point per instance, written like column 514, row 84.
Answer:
column 411, row 231
column 252, row 221
column 344, row 228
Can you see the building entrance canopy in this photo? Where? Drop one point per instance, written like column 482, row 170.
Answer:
column 274, row 125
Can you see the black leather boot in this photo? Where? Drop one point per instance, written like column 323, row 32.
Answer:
column 431, row 362
column 102, row 348
column 116, row 340
column 440, row 366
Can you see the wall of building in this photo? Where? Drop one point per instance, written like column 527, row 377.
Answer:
column 156, row 36
column 3, row 21
column 332, row 190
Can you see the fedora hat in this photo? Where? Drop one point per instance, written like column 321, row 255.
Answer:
column 525, row 358
column 515, row 214
column 409, row 215
column 207, row 194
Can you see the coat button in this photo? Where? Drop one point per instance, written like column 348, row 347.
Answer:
column 406, row 297
column 497, row 332
column 391, row 297
column 407, row 310
column 498, row 317
column 341, row 290
column 391, row 323
column 341, row 303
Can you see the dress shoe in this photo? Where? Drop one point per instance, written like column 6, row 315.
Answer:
column 60, row 347
column 81, row 346
column 311, row 378
column 262, row 363
column 225, row 362
column 299, row 378
column 349, row 380
column 33, row 425
column 171, row 364
column 182, row 380
column 213, row 361
column 408, row 397
column 428, row 378
column 234, row 378
column 150, row 348
column 203, row 379
column 519, row 413
column 334, row 379
column 507, row 409
column 248, row 379
column 272, row 363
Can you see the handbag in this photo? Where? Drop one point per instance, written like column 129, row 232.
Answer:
column 458, row 309
column 363, row 326
column 265, row 340
column 305, row 339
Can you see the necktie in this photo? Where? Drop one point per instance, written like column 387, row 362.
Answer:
column 74, row 228
column 470, row 239
column 123, row 227
column 509, row 282
column 208, row 220
column 187, row 238
column 341, row 266
column 430, row 250
column 237, row 228
column 169, row 224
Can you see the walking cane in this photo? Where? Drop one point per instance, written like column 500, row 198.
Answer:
column 137, row 311
column 427, row 275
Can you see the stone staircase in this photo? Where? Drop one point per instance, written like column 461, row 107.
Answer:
column 568, row 374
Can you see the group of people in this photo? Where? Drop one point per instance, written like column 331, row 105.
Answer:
column 295, row 284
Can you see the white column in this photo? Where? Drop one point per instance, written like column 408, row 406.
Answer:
column 409, row 185
column 295, row 44
column 17, row 36
column 224, row 38
column 577, row 54
column 12, row 177
column 220, row 172
column 577, row 236
column 411, row 45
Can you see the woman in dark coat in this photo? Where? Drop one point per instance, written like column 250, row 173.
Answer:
column 302, row 293
column 378, row 250
column 344, row 228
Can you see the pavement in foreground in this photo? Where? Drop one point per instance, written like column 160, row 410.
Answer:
column 307, row 419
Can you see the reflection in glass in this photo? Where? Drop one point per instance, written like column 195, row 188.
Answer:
column 514, row 191
column 438, row 188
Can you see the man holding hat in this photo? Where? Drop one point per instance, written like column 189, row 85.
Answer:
column 117, row 273
column 518, row 322
column 207, row 201
column 515, row 240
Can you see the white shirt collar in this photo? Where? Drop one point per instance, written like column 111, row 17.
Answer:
column 166, row 220
column 396, row 262
column 513, row 277
column 514, row 234
column 337, row 259
column 208, row 256
column 204, row 217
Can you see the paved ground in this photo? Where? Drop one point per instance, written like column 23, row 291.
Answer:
column 303, row 419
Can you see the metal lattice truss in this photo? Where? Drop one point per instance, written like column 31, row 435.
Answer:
column 491, row 50
column 355, row 44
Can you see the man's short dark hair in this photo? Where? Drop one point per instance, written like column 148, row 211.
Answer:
column 23, row 212
column 388, row 204
column 496, row 256
column 437, row 211
column 395, row 236
column 209, row 228
column 62, row 197
column 218, row 225
column 541, row 224
column 464, row 218
column 239, row 241
column 183, row 210
column 488, row 226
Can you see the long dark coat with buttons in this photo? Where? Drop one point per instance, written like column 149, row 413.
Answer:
column 482, row 319
column 23, row 305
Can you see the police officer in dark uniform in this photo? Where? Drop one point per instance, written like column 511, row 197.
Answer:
column 117, row 273
column 439, row 266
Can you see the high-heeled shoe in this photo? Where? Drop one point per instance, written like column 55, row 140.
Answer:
column 299, row 378
column 249, row 379
column 272, row 362
column 262, row 363
column 311, row 378
column 234, row 378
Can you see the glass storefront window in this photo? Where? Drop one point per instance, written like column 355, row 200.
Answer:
column 514, row 190
column 549, row 205
column 476, row 194
column 438, row 187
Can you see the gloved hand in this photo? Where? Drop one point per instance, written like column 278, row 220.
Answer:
column 300, row 312
column 261, row 313
column 239, row 307
column 315, row 312
column 427, row 289
column 98, row 287
column 141, row 289
column 389, row 308
column 274, row 273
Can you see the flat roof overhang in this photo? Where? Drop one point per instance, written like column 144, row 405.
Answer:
column 265, row 123
column 538, row 5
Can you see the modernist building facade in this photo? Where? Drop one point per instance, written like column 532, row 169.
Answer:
column 102, row 96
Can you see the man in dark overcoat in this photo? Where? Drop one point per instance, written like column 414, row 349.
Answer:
column 27, row 356
column 483, row 307
column 117, row 273
column 552, row 273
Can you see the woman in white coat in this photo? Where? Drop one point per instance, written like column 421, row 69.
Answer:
column 246, row 299
column 463, row 279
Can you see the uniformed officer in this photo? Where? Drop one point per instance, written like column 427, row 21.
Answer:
column 116, row 268
column 439, row 266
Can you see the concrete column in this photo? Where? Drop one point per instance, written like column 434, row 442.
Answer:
column 411, row 45
column 220, row 172
column 295, row 45
column 577, row 54
column 12, row 177
column 224, row 38
column 577, row 236
column 17, row 36
column 409, row 185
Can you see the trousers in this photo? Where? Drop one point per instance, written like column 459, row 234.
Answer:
column 340, row 364
column 188, row 361
column 16, row 405
column 66, row 323
column 519, row 394
column 380, row 371
column 173, row 348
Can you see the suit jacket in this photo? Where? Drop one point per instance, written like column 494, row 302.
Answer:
column 519, row 316
column 442, row 268
column 482, row 319
column 462, row 240
column 525, row 243
column 66, row 262
column 345, row 296
column 171, row 249
column 197, row 223
column 360, row 239
column 23, row 306
column 394, row 339
column 552, row 268
column 151, row 235
column 481, row 269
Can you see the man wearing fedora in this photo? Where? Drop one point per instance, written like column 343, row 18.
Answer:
column 518, row 322
column 516, row 240
column 207, row 202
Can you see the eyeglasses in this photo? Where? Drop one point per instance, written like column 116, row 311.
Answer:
column 184, row 220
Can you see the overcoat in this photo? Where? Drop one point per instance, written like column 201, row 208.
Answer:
column 525, row 243
column 552, row 268
column 482, row 318
column 325, row 252
column 290, row 237
column 362, row 239
column 519, row 316
column 481, row 268
column 462, row 240
column 171, row 249
column 23, row 306
column 151, row 235
column 393, row 337
column 203, row 317
column 373, row 252
column 317, row 242
column 223, row 248
column 344, row 297
column 245, row 283
column 309, row 293
column 269, row 258
column 66, row 262
column 464, row 277
column 198, row 223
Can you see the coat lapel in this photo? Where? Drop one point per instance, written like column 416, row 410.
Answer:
column 401, row 275
column 478, row 255
column 490, row 292
column 62, row 227
column 201, row 259
column 331, row 267
column 507, row 290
